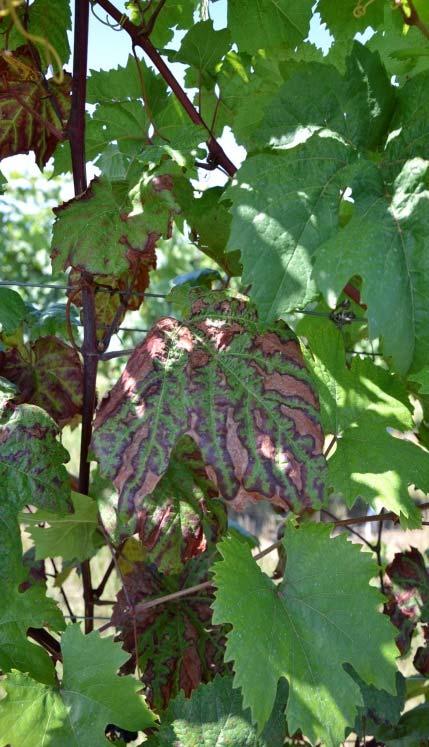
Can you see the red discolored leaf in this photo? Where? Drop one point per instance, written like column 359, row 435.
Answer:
column 50, row 377
column 408, row 571
column 180, row 519
column 33, row 112
column 238, row 388
column 408, row 598
column 403, row 612
column 178, row 646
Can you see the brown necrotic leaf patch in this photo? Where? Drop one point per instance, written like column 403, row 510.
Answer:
column 33, row 111
column 47, row 374
column 238, row 388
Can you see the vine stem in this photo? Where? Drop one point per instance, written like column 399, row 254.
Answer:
column 139, row 608
column 414, row 19
column 76, row 132
column 140, row 39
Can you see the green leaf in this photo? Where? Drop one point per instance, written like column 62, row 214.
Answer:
column 343, row 20
column 409, row 138
column 94, row 231
column 421, row 378
column 124, row 83
column 51, row 320
column 380, row 707
column 284, row 206
column 50, row 20
column 222, row 378
column 364, row 407
column 385, row 243
column 76, row 714
column 12, row 310
column 268, row 23
column 203, row 48
column 321, row 616
column 411, row 731
column 214, row 715
column 358, row 105
column 73, row 536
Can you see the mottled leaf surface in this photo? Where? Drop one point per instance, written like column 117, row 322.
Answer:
column 214, row 715
column 47, row 374
column 28, row 120
column 77, row 712
column 321, row 616
column 73, row 536
column 238, row 388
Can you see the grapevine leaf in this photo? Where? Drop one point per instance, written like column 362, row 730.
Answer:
column 12, row 310
column 50, row 20
column 124, row 83
column 31, row 460
column 283, row 206
column 397, row 226
column 73, row 536
column 90, row 697
column 408, row 599
column 268, row 23
column 29, row 121
column 409, row 137
column 178, row 646
column 231, row 377
column 179, row 519
column 31, row 471
column 177, row 13
column 403, row 49
column 421, row 378
column 214, row 715
column 411, row 730
column 51, row 320
column 357, row 105
column 51, row 377
column 94, row 232
column 380, row 707
column 210, row 224
column 321, row 616
column 342, row 20
column 364, row 407
column 203, row 48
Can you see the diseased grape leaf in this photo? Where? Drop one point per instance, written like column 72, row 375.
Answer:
column 73, row 536
column 322, row 615
column 214, row 715
column 283, row 207
column 178, row 645
column 385, row 243
column 367, row 410
column 268, row 23
column 180, row 519
column 237, row 387
column 50, row 377
column 75, row 714
column 94, row 232
column 29, row 121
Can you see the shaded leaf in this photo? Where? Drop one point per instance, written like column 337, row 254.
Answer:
column 411, row 731
column 178, row 646
column 342, row 20
column 51, row 377
column 90, row 697
column 322, row 615
column 223, row 379
column 29, row 121
column 396, row 225
column 214, row 715
column 50, row 20
column 73, row 536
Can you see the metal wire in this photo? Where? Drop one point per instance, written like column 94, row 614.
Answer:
column 22, row 284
